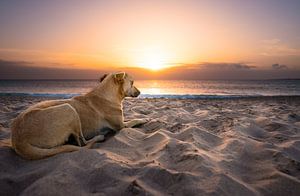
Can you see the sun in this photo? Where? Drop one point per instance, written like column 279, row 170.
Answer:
column 153, row 60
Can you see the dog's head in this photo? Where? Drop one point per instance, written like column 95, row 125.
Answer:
column 125, row 83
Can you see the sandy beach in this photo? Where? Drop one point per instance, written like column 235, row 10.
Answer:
column 189, row 147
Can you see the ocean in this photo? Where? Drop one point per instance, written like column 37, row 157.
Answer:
column 193, row 89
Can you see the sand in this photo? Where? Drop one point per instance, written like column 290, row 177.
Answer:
column 189, row 147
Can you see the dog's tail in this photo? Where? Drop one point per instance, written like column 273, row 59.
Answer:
column 29, row 151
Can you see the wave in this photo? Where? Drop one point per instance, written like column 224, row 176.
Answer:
column 150, row 96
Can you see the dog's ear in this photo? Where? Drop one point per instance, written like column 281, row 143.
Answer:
column 119, row 77
column 102, row 78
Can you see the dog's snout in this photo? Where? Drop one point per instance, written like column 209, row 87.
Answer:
column 137, row 92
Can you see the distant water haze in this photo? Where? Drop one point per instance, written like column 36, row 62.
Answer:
column 158, row 88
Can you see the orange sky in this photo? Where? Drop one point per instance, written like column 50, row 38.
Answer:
column 150, row 34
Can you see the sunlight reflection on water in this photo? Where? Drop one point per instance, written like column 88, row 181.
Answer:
column 160, row 87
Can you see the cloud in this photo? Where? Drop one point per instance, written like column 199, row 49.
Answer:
column 278, row 66
column 30, row 70
column 66, row 58
column 276, row 47
column 227, row 66
column 271, row 41
column 228, row 71
column 4, row 63
column 200, row 71
column 216, row 66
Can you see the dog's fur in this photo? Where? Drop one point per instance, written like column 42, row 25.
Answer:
column 43, row 129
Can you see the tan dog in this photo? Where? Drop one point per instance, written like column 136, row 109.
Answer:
column 43, row 129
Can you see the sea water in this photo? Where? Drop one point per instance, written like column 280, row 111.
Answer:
column 158, row 88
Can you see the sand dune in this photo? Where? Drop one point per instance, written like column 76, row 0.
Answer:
column 189, row 147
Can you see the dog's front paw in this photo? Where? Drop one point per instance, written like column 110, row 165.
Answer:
column 140, row 122
column 99, row 138
column 143, row 121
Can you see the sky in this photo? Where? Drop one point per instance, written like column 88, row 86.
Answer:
column 213, row 39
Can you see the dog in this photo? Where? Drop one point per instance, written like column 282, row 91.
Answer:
column 43, row 129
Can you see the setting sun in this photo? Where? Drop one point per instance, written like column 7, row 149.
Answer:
column 153, row 59
column 153, row 62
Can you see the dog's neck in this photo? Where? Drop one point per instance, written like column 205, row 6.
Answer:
column 109, row 91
